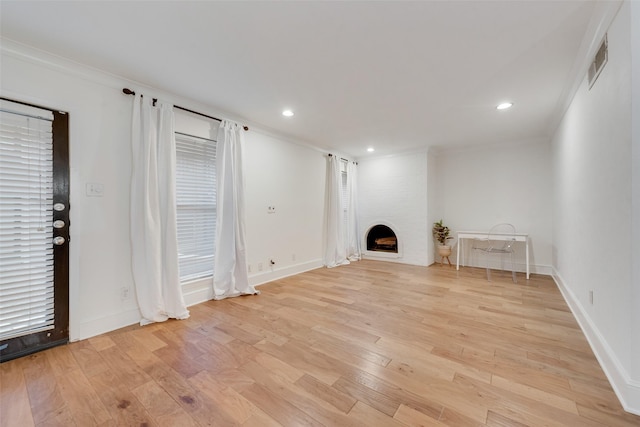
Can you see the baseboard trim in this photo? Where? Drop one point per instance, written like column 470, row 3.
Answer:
column 195, row 292
column 627, row 389
column 519, row 267
column 280, row 273
column 102, row 325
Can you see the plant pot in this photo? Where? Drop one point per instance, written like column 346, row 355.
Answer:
column 444, row 250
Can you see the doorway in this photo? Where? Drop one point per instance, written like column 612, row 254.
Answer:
column 34, row 228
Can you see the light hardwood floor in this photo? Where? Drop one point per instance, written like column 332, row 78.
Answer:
column 369, row 344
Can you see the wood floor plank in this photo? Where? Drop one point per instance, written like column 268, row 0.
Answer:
column 15, row 407
column 260, row 419
column 233, row 407
column 495, row 419
column 44, row 394
column 522, row 409
column 158, row 402
column 368, row 344
column 277, row 408
column 194, row 402
column 413, row 418
column 63, row 418
column 147, row 338
column 61, row 360
column 362, row 393
column 82, row 399
column 123, row 368
column 274, row 364
column 308, row 402
column 608, row 418
column 372, row 417
column 311, row 363
column 554, row 400
column 341, row 401
column 122, row 405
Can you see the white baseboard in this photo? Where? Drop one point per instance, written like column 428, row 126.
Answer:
column 105, row 324
column 194, row 293
column 199, row 291
column 495, row 264
column 272, row 274
column 627, row 389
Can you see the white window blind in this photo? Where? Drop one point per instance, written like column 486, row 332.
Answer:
column 196, row 205
column 26, row 202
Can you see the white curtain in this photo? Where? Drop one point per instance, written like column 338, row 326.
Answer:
column 154, row 243
column 335, row 248
column 230, row 277
column 353, row 242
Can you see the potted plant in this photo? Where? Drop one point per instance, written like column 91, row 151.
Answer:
column 441, row 234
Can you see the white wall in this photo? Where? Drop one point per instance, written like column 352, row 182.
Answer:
column 593, row 215
column 635, row 195
column 483, row 186
column 393, row 191
column 288, row 176
column 99, row 149
column 435, row 203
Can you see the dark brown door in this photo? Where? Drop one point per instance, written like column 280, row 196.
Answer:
column 34, row 228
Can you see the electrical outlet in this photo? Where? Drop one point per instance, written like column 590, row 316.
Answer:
column 293, row 257
column 124, row 293
column 95, row 189
column 249, row 268
column 259, row 266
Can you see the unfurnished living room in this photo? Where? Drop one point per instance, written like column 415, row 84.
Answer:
column 324, row 213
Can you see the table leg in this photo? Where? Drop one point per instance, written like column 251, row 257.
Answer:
column 526, row 243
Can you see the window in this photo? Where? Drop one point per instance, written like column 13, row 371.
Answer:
column 196, row 205
column 599, row 61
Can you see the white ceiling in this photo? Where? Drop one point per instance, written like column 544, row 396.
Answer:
column 394, row 75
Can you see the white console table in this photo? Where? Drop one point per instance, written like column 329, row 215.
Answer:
column 518, row 237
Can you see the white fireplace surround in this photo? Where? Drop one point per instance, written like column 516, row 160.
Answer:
column 379, row 254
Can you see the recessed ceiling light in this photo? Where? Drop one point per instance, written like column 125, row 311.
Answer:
column 504, row 106
column 371, row 149
column 287, row 113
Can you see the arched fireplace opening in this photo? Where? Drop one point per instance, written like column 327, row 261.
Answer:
column 381, row 238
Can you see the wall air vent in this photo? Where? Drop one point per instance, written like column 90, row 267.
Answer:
column 599, row 61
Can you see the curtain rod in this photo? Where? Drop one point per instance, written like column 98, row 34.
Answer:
column 342, row 158
column 128, row 91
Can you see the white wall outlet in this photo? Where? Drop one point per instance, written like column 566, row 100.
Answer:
column 293, row 257
column 124, row 293
column 259, row 266
column 249, row 268
column 95, row 189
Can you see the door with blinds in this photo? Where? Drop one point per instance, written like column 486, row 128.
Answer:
column 34, row 229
